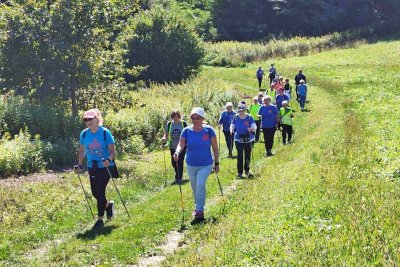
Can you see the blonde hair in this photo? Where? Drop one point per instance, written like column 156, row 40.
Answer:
column 98, row 115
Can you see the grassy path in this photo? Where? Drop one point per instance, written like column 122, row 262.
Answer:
column 331, row 198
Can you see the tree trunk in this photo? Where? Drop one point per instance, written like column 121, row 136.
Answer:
column 74, row 88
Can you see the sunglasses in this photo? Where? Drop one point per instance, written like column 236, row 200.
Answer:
column 195, row 118
column 87, row 119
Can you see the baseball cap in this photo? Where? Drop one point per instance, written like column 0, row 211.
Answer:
column 241, row 107
column 198, row 111
column 90, row 114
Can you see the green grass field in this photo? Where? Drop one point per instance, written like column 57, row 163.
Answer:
column 330, row 198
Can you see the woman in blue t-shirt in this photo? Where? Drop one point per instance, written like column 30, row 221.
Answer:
column 225, row 120
column 270, row 117
column 197, row 139
column 244, row 127
column 97, row 144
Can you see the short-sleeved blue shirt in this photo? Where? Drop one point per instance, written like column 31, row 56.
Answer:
column 96, row 148
column 268, row 116
column 241, row 126
column 198, row 146
column 280, row 99
column 226, row 119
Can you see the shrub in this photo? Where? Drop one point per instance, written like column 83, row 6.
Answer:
column 23, row 154
column 228, row 54
column 51, row 122
column 163, row 45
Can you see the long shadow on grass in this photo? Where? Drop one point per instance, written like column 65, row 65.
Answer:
column 93, row 233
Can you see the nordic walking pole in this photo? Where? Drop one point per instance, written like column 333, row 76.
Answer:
column 219, row 183
column 165, row 167
column 180, row 190
column 116, row 188
column 84, row 192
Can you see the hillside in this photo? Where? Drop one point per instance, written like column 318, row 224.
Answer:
column 330, row 198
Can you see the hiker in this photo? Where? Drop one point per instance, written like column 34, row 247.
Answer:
column 172, row 132
column 286, row 119
column 244, row 127
column 272, row 73
column 259, row 74
column 269, row 122
column 297, row 78
column 97, row 144
column 260, row 97
column 253, row 109
column 277, row 83
column 198, row 139
column 225, row 121
column 302, row 91
column 280, row 98
column 288, row 89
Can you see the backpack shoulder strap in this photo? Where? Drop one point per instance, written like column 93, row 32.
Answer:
column 105, row 135
column 234, row 118
column 84, row 134
column 169, row 127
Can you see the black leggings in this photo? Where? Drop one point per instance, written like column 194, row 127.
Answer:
column 99, row 179
column 258, row 123
column 179, row 169
column 240, row 147
column 229, row 141
column 259, row 82
column 287, row 129
column 269, row 134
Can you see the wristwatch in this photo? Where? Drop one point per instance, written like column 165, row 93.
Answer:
column 216, row 163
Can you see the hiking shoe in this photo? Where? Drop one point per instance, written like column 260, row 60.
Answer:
column 98, row 224
column 198, row 215
column 249, row 175
column 110, row 210
column 270, row 154
column 239, row 176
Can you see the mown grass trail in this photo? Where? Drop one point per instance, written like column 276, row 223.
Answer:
column 331, row 198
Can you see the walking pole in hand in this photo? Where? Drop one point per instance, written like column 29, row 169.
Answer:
column 180, row 190
column 76, row 167
column 116, row 188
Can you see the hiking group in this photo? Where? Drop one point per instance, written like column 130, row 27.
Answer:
column 197, row 143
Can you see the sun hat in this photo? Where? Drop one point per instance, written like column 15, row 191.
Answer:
column 228, row 104
column 198, row 111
